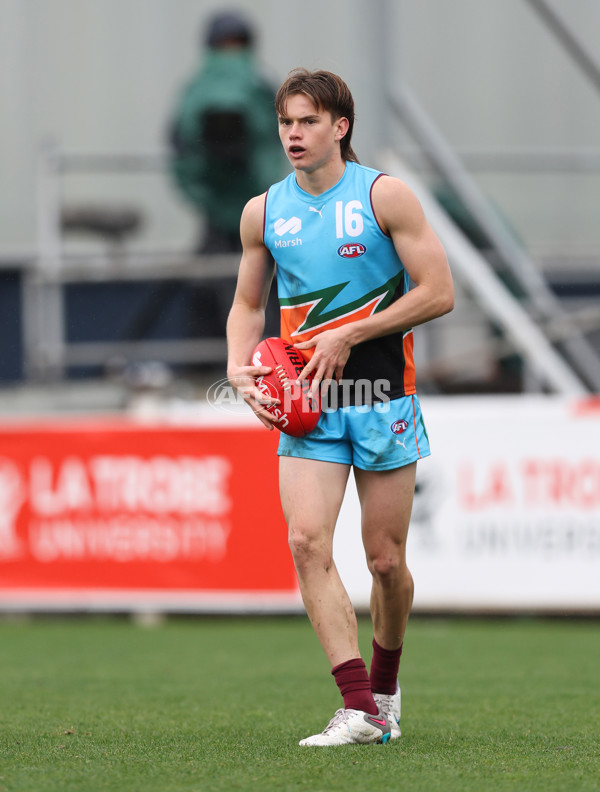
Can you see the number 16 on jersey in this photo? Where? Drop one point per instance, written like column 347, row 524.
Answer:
column 348, row 220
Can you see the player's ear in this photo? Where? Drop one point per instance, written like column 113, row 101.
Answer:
column 341, row 127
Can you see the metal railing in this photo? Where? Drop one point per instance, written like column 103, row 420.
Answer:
column 541, row 302
column 47, row 350
column 470, row 266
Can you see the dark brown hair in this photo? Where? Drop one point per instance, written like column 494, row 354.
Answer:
column 328, row 92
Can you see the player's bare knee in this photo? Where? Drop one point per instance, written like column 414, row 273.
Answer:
column 384, row 568
column 307, row 548
column 390, row 570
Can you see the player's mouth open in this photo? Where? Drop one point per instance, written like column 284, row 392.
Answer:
column 296, row 150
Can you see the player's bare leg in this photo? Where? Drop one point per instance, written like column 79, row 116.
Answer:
column 386, row 502
column 311, row 495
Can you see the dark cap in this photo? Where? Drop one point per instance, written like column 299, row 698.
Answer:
column 226, row 26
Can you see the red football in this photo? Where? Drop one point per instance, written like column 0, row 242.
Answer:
column 297, row 414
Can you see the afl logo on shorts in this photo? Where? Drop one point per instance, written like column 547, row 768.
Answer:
column 399, row 426
column 352, row 250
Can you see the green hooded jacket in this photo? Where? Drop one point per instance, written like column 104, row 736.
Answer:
column 225, row 137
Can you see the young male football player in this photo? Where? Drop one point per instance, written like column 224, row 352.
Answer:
column 346, row 241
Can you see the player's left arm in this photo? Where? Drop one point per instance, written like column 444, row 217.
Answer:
column 400, row 215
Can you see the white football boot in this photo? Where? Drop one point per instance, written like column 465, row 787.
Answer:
column 390, row 706
column 352, row 726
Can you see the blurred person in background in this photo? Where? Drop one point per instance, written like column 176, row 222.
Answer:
column 225, row 149
column 224, row 138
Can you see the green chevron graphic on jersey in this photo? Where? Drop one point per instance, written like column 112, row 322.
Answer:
column 318, row 315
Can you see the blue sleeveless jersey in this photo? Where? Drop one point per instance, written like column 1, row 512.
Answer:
column 335, row 265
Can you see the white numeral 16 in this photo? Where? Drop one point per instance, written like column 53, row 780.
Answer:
column 348, row 219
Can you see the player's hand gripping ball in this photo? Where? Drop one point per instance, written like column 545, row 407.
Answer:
column 297, row 414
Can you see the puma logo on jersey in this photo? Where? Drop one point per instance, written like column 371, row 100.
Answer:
column 318, row 211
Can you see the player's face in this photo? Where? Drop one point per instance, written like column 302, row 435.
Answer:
column 309, row 136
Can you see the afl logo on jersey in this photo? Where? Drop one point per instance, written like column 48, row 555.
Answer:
column 352, row 250
column 399, row 426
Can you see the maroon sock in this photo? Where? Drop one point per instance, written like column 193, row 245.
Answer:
column 354, row 684
column 384, row 669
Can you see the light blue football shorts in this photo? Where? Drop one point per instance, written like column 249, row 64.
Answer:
column 382, row 436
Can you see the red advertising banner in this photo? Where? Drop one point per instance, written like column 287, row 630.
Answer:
column 118, row 511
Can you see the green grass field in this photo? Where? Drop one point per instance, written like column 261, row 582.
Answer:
column 220, row 704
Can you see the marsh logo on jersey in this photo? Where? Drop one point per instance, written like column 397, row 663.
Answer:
column 352, row 250
column 291, row 226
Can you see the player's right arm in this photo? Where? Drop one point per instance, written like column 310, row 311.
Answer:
column 246, row 321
